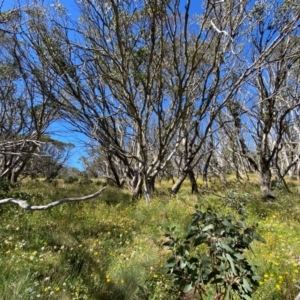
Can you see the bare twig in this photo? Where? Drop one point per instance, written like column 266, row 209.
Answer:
column 25, row 205
column 220, row 31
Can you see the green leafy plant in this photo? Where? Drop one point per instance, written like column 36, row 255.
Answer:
column 70, row 179
column 4, row 187
column 237, row 201
column 210, row 258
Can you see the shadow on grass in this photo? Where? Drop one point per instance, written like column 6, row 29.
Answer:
column 114, row 196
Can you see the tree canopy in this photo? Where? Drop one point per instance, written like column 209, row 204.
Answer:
column 202, row 87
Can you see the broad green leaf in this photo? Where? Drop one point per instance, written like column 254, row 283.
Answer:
column 239, row 256
column 223, row 267
column 246, row 285
column 229, row 258
column 225, row 246
column 218, row 280
column 204, row 257
column 188, row 287
column 182, row 264
column 227, row 224
column 256, row 278
column 208, row 227
column 198, row 241
column 258, row 237
column 241, row 223
column 170, row 263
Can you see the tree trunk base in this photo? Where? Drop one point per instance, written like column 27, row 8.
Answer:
column 268, row 196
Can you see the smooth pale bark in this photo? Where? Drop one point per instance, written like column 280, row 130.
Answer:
column 193, row 182
column 265, row 177
column 17, row 171
column 183, row 175
column 25, row 205
column 237, row 166
column 177, row 185
column 205, row 169
column 116, row 179
column 137, row 194
column 147, row 190
column 137, row 188
column 278, row 175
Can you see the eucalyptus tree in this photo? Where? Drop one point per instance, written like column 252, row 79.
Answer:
column 26, row 94
column 234, row 124
column 49, row 160
column 234, row 60
column 287, row 160
column 273, row 93
column 101, row 163
column 128, row 77
column 25, row 109
column 290, row 153
column 146, row 80
column 157, row 69
column 20, row 132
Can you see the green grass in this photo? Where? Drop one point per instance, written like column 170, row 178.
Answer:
column 111, row 248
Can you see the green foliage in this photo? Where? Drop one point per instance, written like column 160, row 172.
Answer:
column 212, row 253
column 237, row 201
column 71, row 179
column 111, row 249
column 85, row 180
column 4, row 187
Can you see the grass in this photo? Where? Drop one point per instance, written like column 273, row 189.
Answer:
column 112, row 248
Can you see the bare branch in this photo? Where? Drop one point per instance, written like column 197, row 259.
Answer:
column 25, row 205
column 218, row 30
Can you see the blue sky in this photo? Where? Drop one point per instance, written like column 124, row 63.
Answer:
column 61, row 132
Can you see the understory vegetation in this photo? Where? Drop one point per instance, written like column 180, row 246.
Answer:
column 113, row 248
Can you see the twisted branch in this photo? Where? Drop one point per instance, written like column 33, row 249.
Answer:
column 25, row 205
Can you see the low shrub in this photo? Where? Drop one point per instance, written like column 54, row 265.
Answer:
column 210, row 258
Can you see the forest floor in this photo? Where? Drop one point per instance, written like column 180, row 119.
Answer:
column 111, row 248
